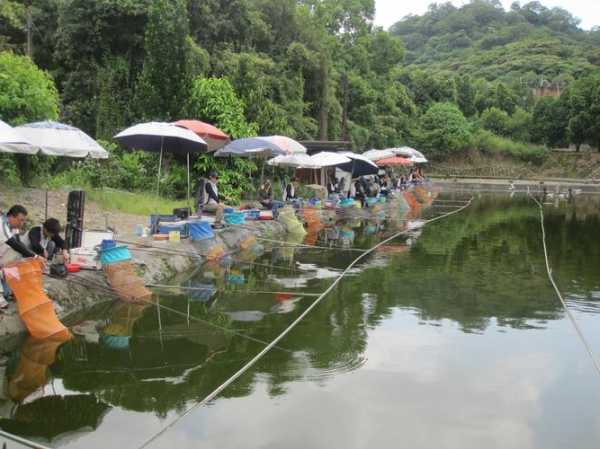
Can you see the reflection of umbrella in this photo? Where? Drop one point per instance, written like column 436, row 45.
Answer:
column 158, row 137
column 395, row 161
column 51, row 416
column 58, row 139
column 262, row 147
column 213, row 136
column 359, row 166
column 13, row 142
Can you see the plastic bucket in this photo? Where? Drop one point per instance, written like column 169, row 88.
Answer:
column 200, row 230
column 235, row 218
column 114, row 255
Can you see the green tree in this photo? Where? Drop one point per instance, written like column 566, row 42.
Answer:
column 504, row 99
column 164, row 82
column 214, row 100
column 584, row 111
column 466, row 94
column 496, row 120
column 445, row 129
column 549, row 123
column 26, row 93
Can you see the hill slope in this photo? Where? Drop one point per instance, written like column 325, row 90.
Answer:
column 529, row 43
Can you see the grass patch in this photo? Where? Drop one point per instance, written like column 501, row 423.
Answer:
column 487, row 142
column 133, row 203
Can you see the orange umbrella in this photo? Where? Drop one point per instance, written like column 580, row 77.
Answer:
column 213, row 136
column 394, row 161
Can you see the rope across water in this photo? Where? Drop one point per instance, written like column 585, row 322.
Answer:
column 277, row 339
column 587, row 346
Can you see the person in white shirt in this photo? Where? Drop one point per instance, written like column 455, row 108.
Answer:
column 11, row 247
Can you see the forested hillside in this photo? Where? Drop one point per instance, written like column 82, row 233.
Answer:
column 529, row 43
column 452, row 80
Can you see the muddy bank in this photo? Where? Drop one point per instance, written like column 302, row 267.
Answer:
column 156, row 262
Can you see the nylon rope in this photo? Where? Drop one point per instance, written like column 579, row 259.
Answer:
column 560, row 297
column 277, row 339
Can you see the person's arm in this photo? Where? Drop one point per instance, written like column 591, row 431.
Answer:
column 211, row 193
column 18, row 246
column 59, row 242
column 35, row 240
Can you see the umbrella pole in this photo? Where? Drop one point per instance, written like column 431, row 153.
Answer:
column 188, row 185
column 162, row 139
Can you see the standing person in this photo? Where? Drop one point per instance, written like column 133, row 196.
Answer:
column 332, row 186
column 208, row 198
column 342, row 188
column 11, row 247
column 45, row 240
column 265, row 194
column 290, row 191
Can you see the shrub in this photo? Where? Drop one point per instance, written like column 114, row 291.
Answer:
column 487, row 142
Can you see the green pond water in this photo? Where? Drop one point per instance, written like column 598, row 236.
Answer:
column 451, row 337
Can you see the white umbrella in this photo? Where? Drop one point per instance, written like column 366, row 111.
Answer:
column 12, row 142
column 159, row 137
column 377, row 155
column 264, row 146
column 291, row 160
column 58, row 139
column 415, row 156
column 328, row 159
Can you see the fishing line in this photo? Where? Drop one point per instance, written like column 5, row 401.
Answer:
column 277, row 339
column 563, row 302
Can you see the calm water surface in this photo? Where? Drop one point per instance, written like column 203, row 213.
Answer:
column 450, row 338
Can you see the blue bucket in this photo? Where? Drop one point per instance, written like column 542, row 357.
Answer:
column 114, row 255
column 371, row 201
column 252, row 214
column 347, row 202
column 235, row 218
column 107, row 244
column 200, row 230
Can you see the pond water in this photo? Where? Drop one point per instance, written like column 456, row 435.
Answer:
column 450, row 337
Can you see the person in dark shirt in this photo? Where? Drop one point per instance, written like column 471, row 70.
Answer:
column 290, row 190
column 208, row 198
column 45, row 240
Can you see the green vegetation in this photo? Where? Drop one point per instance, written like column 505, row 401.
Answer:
column 132, row 203
column 453, row 80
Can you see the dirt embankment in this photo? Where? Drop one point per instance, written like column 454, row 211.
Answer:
column 558, row 164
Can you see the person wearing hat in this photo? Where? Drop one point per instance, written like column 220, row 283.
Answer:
column 208, row 197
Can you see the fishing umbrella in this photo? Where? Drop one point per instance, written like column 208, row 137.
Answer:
column 267, row 146
column 416, row 156
column 328, row 159
column 376, row 155
column 13, row 142
column 358, row 165
column 291, row 160
column 213, row 136
column 158, row 137
column 58, row 139
column 395, row 161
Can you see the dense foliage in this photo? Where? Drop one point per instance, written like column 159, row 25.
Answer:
column 453, row 79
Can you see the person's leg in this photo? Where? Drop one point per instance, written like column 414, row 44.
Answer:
column 51, row 249
column 219, row 213
column 5, row 292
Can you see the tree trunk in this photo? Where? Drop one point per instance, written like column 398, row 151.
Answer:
column 324, row 110
column 345, row 109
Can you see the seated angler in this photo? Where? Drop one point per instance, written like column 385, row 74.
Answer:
column 45, row 240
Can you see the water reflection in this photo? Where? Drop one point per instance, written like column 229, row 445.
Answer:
column 453, row 326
